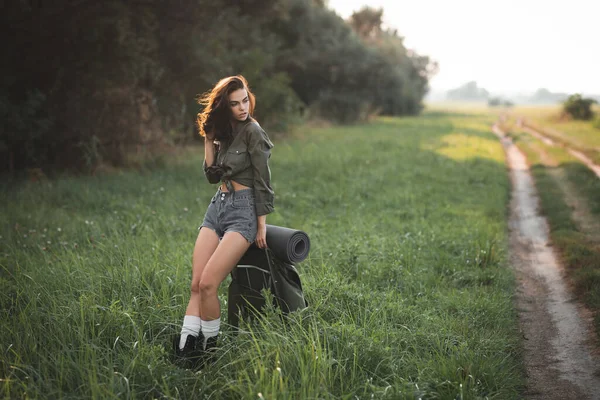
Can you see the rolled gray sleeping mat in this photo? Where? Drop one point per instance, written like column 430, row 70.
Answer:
column 259, row 269
column 289, row 245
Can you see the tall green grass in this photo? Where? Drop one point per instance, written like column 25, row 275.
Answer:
column 409, row 289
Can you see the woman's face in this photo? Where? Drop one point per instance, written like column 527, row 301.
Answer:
column 239, row 104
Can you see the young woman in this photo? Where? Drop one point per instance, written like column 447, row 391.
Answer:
column 236, row 155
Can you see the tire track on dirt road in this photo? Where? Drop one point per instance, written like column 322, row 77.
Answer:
column 575, row 153
column 581, row 213
column 558, row 357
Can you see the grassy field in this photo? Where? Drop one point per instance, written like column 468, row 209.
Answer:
column 408, row 282
column 581, row 135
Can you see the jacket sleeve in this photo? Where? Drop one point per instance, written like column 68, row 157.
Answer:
column 259, row 147
column 214, row 172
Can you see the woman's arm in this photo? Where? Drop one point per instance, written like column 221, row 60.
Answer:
column 212, row 172
column 261, row 233
column 259, row 147
column 209, row 152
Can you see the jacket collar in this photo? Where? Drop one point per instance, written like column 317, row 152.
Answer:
column 240, row 125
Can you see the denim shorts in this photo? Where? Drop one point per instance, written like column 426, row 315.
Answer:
column 232, row 212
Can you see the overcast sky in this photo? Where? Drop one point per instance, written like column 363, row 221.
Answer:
column 506, row 46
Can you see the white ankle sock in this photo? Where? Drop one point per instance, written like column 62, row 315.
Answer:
column 191, row 326
column 210, row 329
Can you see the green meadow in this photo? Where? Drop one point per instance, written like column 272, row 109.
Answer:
column 410, row 291
column 581, row 135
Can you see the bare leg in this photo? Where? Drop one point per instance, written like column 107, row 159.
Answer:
column 225, row 257
column 205, row 246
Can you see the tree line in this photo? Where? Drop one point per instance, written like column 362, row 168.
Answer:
column 84, row 82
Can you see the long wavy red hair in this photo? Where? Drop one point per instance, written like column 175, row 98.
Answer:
column 215, row 118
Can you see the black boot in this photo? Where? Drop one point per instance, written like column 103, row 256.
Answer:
column 210, row 352
column 192, row 352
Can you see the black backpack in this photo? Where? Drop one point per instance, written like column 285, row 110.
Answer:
column 259, row 269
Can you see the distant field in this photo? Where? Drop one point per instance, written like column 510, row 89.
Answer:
column 408, row 281
column 580, row 134
column 470, row 107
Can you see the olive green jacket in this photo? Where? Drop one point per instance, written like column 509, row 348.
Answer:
column 246, row 161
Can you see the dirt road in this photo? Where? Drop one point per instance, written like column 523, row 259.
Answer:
column 575, row 153
column 558, row 353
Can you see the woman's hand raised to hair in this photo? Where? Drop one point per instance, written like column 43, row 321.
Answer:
column 209, row 136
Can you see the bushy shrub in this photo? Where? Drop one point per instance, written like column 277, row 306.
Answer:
column 499, row 102
column 341, row 107
column 579, row 107
column 24, row 126
column 124, row 76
